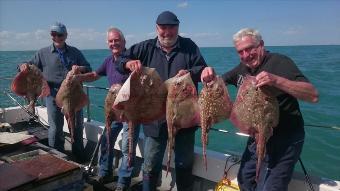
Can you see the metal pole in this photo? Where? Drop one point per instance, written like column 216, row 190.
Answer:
column 88, row 105
column 33, row 115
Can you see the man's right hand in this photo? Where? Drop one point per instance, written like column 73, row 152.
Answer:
column 134, row 65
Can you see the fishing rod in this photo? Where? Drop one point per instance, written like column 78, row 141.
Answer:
column 34, row 116
column 219, row 130
column 324, row 126
column 246, row 135
column 4, row 78
column 306, row 175
column 225, row 131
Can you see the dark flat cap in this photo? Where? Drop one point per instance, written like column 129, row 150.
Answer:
column 167, row 18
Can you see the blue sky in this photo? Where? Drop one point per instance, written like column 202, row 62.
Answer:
column 24, row 25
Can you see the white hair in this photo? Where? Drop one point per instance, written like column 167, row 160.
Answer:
column 114, row 29
column 254, row 34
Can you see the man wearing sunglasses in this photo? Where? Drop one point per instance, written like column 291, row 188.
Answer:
column 55, row 61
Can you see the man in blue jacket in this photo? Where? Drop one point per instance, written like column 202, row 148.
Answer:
column 170, row 54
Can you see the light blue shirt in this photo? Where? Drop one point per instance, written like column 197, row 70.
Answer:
column 53, row 67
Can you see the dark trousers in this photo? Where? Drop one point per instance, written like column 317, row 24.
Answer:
column 276, row 169
column 154, row 148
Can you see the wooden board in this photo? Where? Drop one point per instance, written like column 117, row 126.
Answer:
column 12, row 177
column 45, row 166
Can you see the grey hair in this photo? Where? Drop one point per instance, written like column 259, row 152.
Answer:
column 255, row 34
column 111, row 29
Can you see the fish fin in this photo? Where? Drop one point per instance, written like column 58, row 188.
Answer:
column 59, row 100
column 62, row 110
column 260, row 152
column 45, row 90
column 17, row 86
column 132, row 125
column 70, row 123
column 170, row 145
column 31, row 107
column 84, row 100
column 108, row 133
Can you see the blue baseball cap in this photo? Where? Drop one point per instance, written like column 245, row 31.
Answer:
column 59, row 28
column 167, row 18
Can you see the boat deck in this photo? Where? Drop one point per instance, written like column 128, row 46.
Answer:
column 165, row 182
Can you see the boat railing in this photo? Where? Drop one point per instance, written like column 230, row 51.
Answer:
column 88, row 108
column 89, row 87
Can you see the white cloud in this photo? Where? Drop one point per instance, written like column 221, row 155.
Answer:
column 4, row 35
column 23, row 36
column 183, row 4
column 183, row 34
column 129, row 37
column 41, row 34
column 89, row 39
column 206, row 35
column 78, row 35
column 34, row 40
column 151, row 35
column 292, row 31
column 204, row 39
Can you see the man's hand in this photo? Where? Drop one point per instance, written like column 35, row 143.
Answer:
column 23, row 67
column 134, row 65
column 265, row 78
column 207, row 75
column 181, row 73
column 76, row 69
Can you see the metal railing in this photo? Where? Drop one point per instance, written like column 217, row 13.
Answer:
column 88, row 87
column 88, row 110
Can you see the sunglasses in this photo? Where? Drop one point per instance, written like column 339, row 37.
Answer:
column 54, row 34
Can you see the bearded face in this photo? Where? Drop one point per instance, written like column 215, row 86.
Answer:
column 167, row 35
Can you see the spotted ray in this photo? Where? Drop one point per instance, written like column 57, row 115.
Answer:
column 182, row 110
column 31, row 84
column 255, row 112
column 142, row 99
column 71, row 99
column 215, row 106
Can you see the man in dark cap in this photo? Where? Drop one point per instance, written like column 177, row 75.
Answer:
column 55, row 61
column 170, row 54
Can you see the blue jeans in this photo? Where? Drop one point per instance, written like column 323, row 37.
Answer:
column 56, row 138
column 125, row 172
column 276, row 169
column 106, row 157
column 154, row 149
